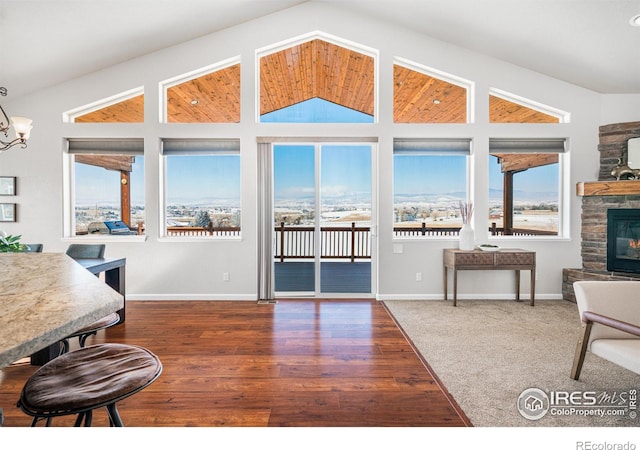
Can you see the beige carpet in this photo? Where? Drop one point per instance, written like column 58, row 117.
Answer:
column 486, row 353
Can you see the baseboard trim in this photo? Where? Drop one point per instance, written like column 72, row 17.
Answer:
column 193, row 297
column 431, row 297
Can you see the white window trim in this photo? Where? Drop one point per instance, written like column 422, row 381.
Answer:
column 68, row 206
column 562, row 116
column 469, row 185
column 162, row 206
column 564, row 196
column 71, row 115
column 468, row 85
column 165, row 85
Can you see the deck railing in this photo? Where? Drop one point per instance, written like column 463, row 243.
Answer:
column 350, row 242
column 201, row 231
column 336, row 242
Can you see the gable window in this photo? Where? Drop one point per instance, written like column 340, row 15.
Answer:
column 423, row 97
column 201, row 187
column 525, row 186
column 509, row 108
column 127, row 107
column 430, row 179
column 106, row 186
column 317, row 81
column 212, row 95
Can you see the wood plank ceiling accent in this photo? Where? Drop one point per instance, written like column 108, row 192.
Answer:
column 317, row 69
column 116, row 162
column 518, row 162
column 420, row 98
column 505, row 111
column 126, row 111
column 211, row 98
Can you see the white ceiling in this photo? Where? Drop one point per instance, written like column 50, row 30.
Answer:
column 585, row 42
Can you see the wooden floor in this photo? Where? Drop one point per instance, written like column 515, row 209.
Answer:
column 294, row 363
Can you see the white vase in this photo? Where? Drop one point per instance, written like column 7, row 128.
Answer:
column 467, row 237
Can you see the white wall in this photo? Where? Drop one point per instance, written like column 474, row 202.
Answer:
column 617, row 108
column 164, row 269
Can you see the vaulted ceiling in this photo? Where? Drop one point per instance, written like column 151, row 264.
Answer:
column 588, row 43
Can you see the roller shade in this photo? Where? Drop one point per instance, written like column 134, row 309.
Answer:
column 413, row 146
column 106, row 146
column 200, row 146
column 527, row 145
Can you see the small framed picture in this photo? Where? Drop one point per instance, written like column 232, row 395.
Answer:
column 7, row 212
column 7, row 185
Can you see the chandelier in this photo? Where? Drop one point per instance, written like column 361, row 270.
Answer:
column 21, row 126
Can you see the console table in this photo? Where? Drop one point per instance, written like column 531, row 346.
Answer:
column 503, row 259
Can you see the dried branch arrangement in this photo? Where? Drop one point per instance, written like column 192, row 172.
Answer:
column 466, row 211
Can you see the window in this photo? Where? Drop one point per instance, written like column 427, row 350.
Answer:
column 525, row 186
column 201, row 187
column 424, row 98
column 317, row 75
column 107, row 185
column 508, row 108
column 127, row 107
column 211, row 96
column 430, row 179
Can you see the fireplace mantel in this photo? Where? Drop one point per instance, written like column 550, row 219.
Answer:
column 597, row 188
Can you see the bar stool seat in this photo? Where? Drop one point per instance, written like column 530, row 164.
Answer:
column 91, row 329
column 86, row 379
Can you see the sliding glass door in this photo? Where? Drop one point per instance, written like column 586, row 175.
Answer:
column 322, row 216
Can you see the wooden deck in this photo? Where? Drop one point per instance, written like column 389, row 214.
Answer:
column 294, row 363
column 335, row 277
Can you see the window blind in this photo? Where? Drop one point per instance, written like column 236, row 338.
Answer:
column 106, row 146
column 449, row 146
column 527, row 145
column 200, row 146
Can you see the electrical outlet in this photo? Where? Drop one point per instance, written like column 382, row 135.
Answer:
column 418, row 276
column 225, row 276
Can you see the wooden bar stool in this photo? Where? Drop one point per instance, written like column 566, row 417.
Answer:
column 92, row 329
column 88, row 251
column 86, row 379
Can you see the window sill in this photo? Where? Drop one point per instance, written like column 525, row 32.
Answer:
column 200, row 239
column 104, row 238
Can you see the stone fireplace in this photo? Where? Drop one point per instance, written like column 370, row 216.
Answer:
column 598, row 199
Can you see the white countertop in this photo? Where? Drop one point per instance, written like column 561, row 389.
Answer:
column 44, row 297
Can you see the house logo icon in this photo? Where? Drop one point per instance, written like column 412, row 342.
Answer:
column 533, row 404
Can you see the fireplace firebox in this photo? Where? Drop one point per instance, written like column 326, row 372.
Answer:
column 623, row 240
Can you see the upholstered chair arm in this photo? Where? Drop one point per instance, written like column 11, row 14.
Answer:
column 589, row 316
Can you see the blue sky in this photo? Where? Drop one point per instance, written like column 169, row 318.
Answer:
column 95, row 185
column 415, row 175
column 200, row 177
column 345, row 171
column 543, row 180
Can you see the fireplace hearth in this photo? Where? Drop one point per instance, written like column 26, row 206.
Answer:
column 623, row 240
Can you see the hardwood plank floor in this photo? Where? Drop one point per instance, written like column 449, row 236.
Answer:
column 295, row 363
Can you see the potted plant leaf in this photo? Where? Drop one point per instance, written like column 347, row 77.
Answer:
column 11, row 244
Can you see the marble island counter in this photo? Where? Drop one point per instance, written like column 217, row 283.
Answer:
column 44, row 297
